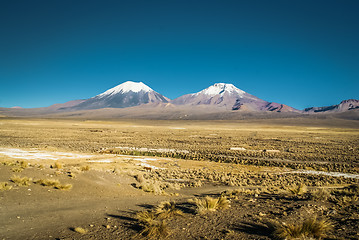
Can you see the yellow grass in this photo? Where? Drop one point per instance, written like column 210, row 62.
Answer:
column 53, row 183
column 309, row 228
column 4, row 186
column 20, row 181
column 211, row 204
column 80, row 230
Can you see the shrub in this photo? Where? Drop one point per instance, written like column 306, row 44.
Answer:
column 150, row 186
column 53, row 183
column 167, row 210
column 24, row 164
column 17, row 169
column 85, row 168
column 4, row 186
column 48, row 182
column 25, row 181
column 146, row 217
column 64, row 186
column 211, row 204
column 153, row 225
column 352, row 189
column 80, row 230
column 309, row 228
column 155, row 230
column 320, row 194
column 57, row 165
column 298, row 189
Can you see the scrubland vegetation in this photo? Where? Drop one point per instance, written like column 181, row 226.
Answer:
column 206, row 180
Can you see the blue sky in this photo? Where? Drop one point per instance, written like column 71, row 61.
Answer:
column 301, row 53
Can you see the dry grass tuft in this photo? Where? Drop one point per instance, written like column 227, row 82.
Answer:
column 7, row 163
column 17, row 169
column 146, row 217
column 167, row 210
column 155, row 230
column 23, row 164
column 153, row 223
column 48, row 182
column 4, row 186
column 85, row 168
column 53, row 183
column 211, row 204
column 298, row 189
column 139, row 178
column 352, row 189
column 80, row 230
column 309, row 228
column 320, row 194
column 64, row 186
column 154, row 227
column 346, row 200
column 57, row 165
column 151, row 186
column 25, row 181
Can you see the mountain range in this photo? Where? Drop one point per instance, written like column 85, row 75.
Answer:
column 135, row 99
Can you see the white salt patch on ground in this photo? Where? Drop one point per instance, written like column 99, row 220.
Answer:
column 238, row 149
column 333, row 174
column 37, row 154
column 145, row 159
column 152, row 150
column 145, row 164
column 148, row 165
column 101, row 161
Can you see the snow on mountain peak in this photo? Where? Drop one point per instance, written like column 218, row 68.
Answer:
column 125, row 87
column 221, row 88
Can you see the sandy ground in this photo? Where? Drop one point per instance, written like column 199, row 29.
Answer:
column 104, row 197
column 104, row 200
column 38, row 212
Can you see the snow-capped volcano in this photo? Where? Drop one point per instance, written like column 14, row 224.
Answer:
column 221, row 89
column 125, row 87
column 219, row 94
column 127, row 94
column 230, row 97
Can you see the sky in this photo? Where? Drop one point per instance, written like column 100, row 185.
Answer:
column 301, row 53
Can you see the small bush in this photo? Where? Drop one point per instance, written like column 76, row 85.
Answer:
column 211, row 204
column 146, row 217
column 4, row 186
column 64, row 186
column 80, row 230
column 53, row 183
column 25, row 181
column 155, row 230
column 153, row 225
column 320, row 194
column 298, row 189
column 150, row 186
column 309, row 228
column 56, row 165
column 48, row 182
column 85, row 168
column 346, row 200
column 17, row 169
column 23, row 164
column 167, row 210
column 352, row 189
column 139, row 178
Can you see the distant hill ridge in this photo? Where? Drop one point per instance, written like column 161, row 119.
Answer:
column 219, row 101
column 345, row 105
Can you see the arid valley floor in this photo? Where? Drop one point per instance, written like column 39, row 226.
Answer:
column 141, row 179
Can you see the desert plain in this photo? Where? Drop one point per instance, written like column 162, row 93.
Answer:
column 160, row 179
